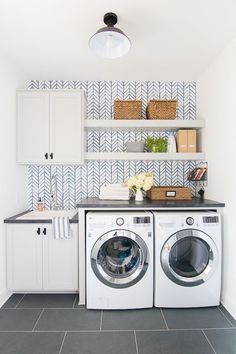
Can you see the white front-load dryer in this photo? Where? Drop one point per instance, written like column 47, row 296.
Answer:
column 119, row 260
column 187, row 259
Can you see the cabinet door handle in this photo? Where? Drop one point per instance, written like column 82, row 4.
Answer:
column 51, row 156
column 38, row 231
column 45, row 231
column 46, row 156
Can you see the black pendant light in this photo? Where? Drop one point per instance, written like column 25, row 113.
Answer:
column 110, row 42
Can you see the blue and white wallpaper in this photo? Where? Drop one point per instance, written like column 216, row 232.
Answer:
column 77, row 182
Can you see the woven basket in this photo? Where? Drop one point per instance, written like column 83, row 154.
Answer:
column 161, row 109
column 169, row 193
column 129, row 109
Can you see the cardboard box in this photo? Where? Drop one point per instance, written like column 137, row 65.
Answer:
column 192, row 140
column 182, row 140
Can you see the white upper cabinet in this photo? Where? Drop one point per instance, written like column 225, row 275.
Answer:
column 32, row 127
column 66, row 127
column 50, row 126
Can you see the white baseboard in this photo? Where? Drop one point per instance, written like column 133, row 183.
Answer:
column 4, row 296
column 230, row 306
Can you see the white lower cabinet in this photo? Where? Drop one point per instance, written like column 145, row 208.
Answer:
column 60, row 261
column 24, row 257
column 38, row 262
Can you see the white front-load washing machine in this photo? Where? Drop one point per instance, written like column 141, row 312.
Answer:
column 187, row 259
column 119, row 260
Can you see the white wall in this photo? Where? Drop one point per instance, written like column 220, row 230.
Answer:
column 217, row 105
column 13, row 178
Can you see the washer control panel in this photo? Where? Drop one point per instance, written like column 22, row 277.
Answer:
column 120, row 221
column 189, row 220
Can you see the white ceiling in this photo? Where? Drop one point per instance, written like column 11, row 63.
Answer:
column 171, row 39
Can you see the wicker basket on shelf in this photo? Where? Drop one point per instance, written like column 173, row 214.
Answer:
column 161, row 109
column 127, row 109
column 169, row 193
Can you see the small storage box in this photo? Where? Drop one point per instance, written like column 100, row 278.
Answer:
column 129, row 109
column 169, row 193
column 161, row 109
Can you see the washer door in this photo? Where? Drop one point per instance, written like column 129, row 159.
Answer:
column 119, row 258
column 189, row 257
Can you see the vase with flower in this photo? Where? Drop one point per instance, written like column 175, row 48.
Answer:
column 139, row 184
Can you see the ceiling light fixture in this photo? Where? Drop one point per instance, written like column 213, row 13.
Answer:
column 110, row 42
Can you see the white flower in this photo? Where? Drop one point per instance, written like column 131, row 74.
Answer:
column 143, row 181
column 141, row 176
column 147, row 185
column 131, row 182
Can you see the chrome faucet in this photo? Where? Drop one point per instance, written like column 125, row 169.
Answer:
column 53, row 192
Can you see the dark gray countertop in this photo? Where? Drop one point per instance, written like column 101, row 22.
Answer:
column 14, row 220
column 149, row 204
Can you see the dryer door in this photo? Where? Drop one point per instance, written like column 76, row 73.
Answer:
column 119, row 258
column 189, row 257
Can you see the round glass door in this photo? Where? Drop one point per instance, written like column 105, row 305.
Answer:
column 119, row 258
column 189, row 257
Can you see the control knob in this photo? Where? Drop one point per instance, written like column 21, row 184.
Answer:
column 190, row 221
column 120, row 221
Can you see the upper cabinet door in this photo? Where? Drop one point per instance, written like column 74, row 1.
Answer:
column 67, row 127
column 32, row 127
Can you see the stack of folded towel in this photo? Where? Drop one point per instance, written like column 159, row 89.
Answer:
column 117, row 191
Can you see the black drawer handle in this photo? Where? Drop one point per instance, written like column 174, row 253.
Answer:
column 51, row 156
column 46, row 156
column 38, row 231
column 45, row 231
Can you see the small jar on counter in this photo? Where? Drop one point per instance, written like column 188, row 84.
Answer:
column 40, row 205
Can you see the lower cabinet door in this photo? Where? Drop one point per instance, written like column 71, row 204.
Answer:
column 60, row 261
column 24, row 257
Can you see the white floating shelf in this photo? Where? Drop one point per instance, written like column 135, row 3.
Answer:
column 146, row 124
column 143, row 156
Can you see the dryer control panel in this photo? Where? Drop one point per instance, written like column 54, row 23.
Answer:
column 142, row 220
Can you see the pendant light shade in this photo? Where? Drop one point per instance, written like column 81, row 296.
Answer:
column 110, row 42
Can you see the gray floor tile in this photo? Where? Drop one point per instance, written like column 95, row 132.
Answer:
column 48, row 301
column 228, row 315
column 18, row 320
column 133, row 319
column 173, row 342
column 69, row 319
column 99, row 343
column 13, row 301
column 30, row 343
column 222, row 340
column 210, row 317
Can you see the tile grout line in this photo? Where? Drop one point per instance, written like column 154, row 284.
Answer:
column 74, row 301
column 38, row 320
column 63, row 340
column 208, row 340
column 164, row 319
column 225, row 317
column 19, row 301
column 136, row 342
column 121, row 330
column 101, row 318
column 46, row 308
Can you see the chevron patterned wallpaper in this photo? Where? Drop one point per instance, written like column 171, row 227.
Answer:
column 77, row 182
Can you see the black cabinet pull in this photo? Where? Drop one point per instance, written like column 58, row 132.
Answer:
column 38, row 231
column 45, row 231
column 51, row 156
column 46, row 156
